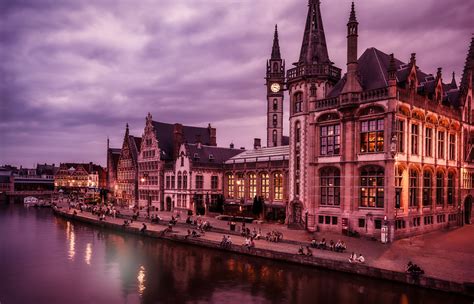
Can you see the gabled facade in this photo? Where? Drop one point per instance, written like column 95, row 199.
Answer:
column 79, row 177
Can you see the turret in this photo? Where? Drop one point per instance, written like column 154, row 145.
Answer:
column 352, row 84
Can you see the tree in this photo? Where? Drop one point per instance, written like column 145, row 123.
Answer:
column 257, row 206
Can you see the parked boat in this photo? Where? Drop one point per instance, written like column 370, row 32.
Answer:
column 30, row 201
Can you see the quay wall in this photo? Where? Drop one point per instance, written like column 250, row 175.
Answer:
column 359, row 269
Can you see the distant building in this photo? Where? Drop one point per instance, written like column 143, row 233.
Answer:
column 79, row 177
column 113, row 156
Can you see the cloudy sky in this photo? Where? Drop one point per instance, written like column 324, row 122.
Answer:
column 74, row 72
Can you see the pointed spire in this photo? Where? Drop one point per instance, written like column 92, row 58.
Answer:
column 453, row 82
column 392, row 68
column 352, row 17
column 126, row 129
column 276, row 45
column 108, row 143
column 313, row 48
column 468, row 68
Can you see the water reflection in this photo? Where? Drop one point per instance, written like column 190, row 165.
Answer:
column 88, row 253
column 71, row 237
column 141, row 280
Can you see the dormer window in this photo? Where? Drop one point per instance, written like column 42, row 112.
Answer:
column 211, row 157
column 196, row 156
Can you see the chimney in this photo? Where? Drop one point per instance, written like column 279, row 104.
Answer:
column 231, row 145
column 212, row 135
column 242, row 148
column 198, row 141
column 257, row 143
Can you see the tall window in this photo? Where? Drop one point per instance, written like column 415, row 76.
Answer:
column 313, row 90
column 274, row 137
column 278, row 186
column 330, row 187
column 298, row 103
column 452, row 146
column 275, row 104
column 372, row 187
column 330, row 140
column 400, row 135
column 173, row 182
column 199, row 181
column 168, row 182
column 371, row 137
column 427, row 180
column 298, row 132
column 439, row 188
column 413, row 188
column 275, row 120
column 415, row 132
column 214, row 182
column 240, row 185
column 450, row 188
column 440, row 144
column 185, row 180
column 252, row 185
column 429, row 142
column 230, row 185
column 180, row 180
column 265, row 185
column 398, row 186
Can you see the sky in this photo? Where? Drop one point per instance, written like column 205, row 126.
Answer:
column 73, row 73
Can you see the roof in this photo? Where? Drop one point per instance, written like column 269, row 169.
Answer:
column 115, row 150
column 165, row 134
column 262, row 154
column 219, row 154
column 134, row 146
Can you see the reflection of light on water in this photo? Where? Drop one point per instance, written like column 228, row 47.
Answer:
column 141, row 280
column 88, row 254
column 71, row 236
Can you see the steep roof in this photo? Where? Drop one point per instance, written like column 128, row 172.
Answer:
column 134, row 146
column 165, row 132
column 262, row 154
column 208, row 155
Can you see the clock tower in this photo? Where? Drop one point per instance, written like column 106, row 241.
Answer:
column 275, row 83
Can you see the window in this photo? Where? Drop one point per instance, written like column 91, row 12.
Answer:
column 334, row 220
column 275, row 104
column 330, row 187
column 414, row 138
column 278, row 186
column 252, row 185
column 214, row 182
column 416, row 221
column 371, row 137
column 240, row 185
column 440, row 144
column 230, row 185
column 450, row 188
column 182, row 161
column 274, row 137
column 321, row 219
column 330, row 140
column 452, row 146
column 378, row 224
column 168, row 181
column 265, row 184
column 361, row 223
column 400, row 136
column 275, row 120
column 399, row 224
column 180, row 180
column 413, row 188
column 199, row 181
column 327, row 220
column 173, row 182
column 427, row 188
column 298, row 132
column 313, row 90
column 439, row 188
column 429, row 142
column 185, row 180
column 298, row 103
column 372, row 187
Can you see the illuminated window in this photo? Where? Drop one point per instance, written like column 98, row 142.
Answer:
column 371, row 137
column 240, row 185
column 278, row 186
column 330, row 140
column 230, row 185
column 372, row 187
column 265, row 185
column 252, row 185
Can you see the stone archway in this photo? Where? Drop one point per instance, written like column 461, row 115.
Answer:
column 467, row 209
column 168, row 204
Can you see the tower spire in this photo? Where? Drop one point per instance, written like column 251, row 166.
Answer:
column 352, row 84
column 276, row 45
column 468, row 72
column 313, row 48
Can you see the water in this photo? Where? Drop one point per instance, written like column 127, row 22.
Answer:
column 46, row 259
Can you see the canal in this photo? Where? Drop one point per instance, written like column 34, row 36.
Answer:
column 46, row 259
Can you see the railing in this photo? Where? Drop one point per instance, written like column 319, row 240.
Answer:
column 376, row 94
column 423, row 102
column 314, row 70
column 326, row 103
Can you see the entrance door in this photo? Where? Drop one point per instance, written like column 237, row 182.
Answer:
column 467, row 209
column 168, row 203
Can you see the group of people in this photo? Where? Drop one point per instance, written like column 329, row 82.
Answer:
column 308, row 252
column 414, row 269
column 226, row 241
column 356, row 259
column 193, row 234
column 274, row 236
column 249, row 242
column 338, row 246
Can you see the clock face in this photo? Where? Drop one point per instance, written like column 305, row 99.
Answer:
column 275, row 87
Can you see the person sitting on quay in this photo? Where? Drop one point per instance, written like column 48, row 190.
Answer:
column 322, row 244
column 414, row 269
column 125, row 223
column 301, row 250
column 313, row 244
column 143, row 229
column 195, row 234
column 331, row 245
column 340, row 246
column 353, row 257
column 361, row 259
column 309, row 252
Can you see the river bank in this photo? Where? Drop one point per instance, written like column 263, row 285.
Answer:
column 285, row 253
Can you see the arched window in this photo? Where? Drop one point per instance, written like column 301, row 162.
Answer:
column 182, row 161
column 439, row 188
column 265, row 185
column 230, row 185
column 450, row 188
column 330, row 187
column 185, row 180
column 330, row 140
column 298, row 102
column 252, row 185
column 372, row 136
column 275, row 104
column 240, row 185
column 413, row 188
column 275, row 120
column 427, row 188
column 372, row 187
column 180, row 180
column 278, row 186
column 274, row 137
column 313, row 90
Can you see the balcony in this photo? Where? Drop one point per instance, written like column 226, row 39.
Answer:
column 314, row 70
